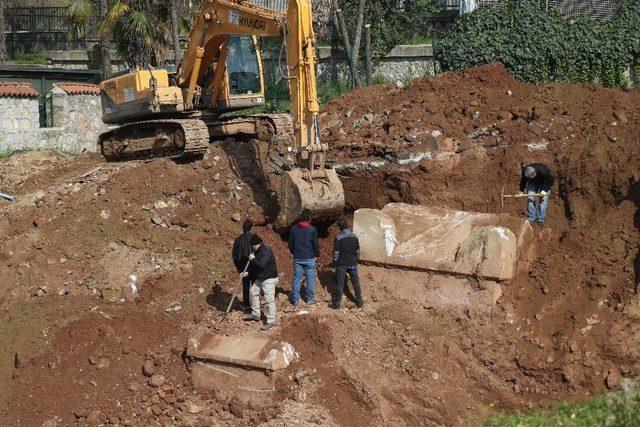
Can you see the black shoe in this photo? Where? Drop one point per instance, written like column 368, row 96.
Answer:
column 334, row 306
column 267, row 326
column 360, row 304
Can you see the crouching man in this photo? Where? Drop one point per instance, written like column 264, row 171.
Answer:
column 263, row 271
column 346, row 253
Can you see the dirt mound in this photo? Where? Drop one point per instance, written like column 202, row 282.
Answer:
column 82, row 232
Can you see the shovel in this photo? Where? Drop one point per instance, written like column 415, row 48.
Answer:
column 235, row 292
column 505, row 196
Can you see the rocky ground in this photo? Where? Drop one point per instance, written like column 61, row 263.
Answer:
column 107, row 268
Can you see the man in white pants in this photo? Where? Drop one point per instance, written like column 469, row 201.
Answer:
column 264, row 272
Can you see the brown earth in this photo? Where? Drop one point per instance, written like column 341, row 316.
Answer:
column 80, row 227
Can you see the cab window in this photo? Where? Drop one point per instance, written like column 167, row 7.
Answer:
column 242, row 66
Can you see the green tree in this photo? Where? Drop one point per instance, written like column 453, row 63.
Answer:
column 141, row 28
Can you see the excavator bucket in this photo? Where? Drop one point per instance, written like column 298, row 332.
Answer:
column 323, row 196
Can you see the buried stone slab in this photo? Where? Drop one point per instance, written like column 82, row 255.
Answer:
column 426, row 238
column 237, row 367
column 244, row 350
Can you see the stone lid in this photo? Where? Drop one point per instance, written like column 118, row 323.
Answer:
column 20, row 89
column 75, row 88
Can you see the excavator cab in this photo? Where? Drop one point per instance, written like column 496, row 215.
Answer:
column 244, row 84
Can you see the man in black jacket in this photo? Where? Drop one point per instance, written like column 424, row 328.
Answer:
column 346, row 253
column 303, row 245
column 264, row 272
column 536, row 178
column 240, row 256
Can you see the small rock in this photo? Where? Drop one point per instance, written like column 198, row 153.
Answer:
column 216, row 177
column 103, row 363
column 399, row 84
column 93, row 383
column 435, row 376
column 113, row 419
column 41, row 291
column 21, row 360
column 237, row 408
column 505, row 115
column 93, row 418
column 148, row 368
column 93, row 360
column 193, row 408
column 50, row 423
column 156, row 380
column 105, row 214
column 156, row 410
column 134, row 386
column 410, row 138
column 160, row 204
column 613, row 379
column 82, row 413
column 369, row 117
column 236, row 217
column 157, row 220
column 621, row 116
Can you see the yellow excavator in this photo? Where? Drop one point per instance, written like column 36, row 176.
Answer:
column 165, row 114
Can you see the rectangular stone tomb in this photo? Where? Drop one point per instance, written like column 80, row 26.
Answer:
column 493, row 246
column 245, row 350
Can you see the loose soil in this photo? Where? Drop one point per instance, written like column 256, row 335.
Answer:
column 80, row 228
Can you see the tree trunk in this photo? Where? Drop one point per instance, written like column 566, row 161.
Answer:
column 3, row 26
column 339, row 19
column 334, row 50
column 175, row 30
column 356, row 44
column 105, row 41
column 367, row 52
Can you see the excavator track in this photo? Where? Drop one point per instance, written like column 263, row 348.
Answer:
column 185, row 137
column 155, row 138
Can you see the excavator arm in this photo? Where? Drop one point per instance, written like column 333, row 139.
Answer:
column 218, row 19
column 310, row 186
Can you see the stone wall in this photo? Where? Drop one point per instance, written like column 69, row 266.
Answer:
column 74, row 122
column 20, row 120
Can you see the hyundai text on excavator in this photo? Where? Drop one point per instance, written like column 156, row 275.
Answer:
column 161, row 114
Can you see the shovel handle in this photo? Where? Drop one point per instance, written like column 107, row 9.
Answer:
column 235, row 291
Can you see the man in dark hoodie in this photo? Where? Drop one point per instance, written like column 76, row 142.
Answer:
column 264, row 271
column 240, row 256
column 303, row 245
column 346, row 253
column 536, row 178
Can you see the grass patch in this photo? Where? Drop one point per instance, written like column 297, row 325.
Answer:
column 30, row 58
column 615, row 409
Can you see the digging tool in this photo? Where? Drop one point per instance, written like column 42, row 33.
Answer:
column 516, row 196
column 235, row 292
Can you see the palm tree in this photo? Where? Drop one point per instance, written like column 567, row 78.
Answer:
column 79, row 16
column 140, row 27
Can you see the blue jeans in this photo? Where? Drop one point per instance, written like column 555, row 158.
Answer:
column 541, row 210
column 308, row 267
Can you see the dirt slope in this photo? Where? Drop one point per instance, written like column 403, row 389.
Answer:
column 80, row 227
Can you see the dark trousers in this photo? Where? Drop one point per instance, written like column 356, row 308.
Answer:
column 246, row 285
column 341, row 273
